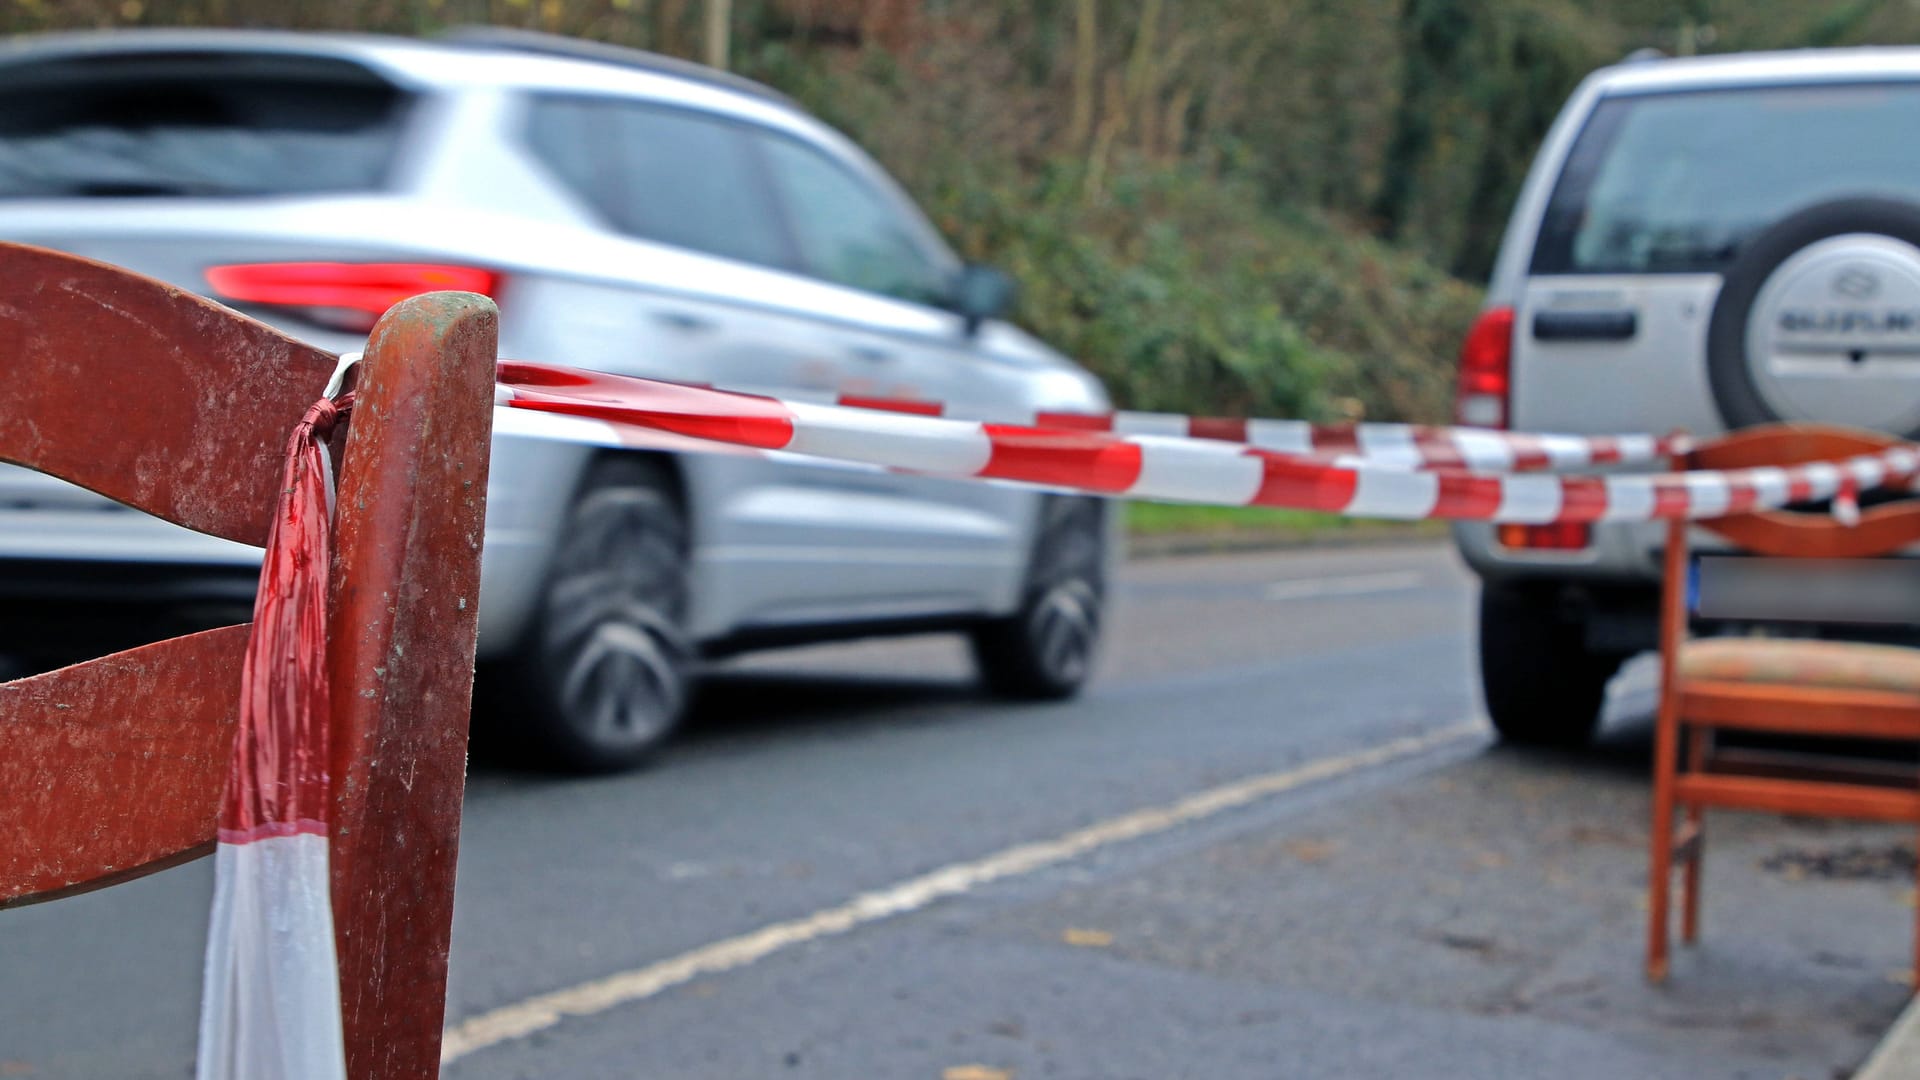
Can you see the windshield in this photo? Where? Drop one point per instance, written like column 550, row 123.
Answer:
column 1677, row 182
column 198, row 125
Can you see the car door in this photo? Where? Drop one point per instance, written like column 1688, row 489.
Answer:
column 890, row 276
column 717, row 298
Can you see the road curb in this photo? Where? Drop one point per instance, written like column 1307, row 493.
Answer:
column 1154, row 546
column 1898, row 1055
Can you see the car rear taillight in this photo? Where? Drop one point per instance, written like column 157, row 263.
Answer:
column 342, row 296
column 1559, row 536
column 1486, row 371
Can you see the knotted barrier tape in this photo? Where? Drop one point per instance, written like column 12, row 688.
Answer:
column 620, row 410
column 270, row 1008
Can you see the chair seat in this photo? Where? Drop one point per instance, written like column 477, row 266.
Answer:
column 1846, row 665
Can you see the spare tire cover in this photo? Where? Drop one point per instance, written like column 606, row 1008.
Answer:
column 1818, row 319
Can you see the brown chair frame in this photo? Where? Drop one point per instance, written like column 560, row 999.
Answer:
column 1689, row 773
column 114, row 768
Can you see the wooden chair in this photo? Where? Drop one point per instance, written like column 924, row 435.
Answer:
column 1792, row 687
column 114, row 768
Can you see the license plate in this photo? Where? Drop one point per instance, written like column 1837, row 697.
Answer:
column 1875, row 591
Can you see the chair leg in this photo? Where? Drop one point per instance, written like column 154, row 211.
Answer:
column 1696, row 848
column 1690, row 879
column 1660, row 868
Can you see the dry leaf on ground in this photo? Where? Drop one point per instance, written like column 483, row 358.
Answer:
column 976, row 1072
column 1311, row 851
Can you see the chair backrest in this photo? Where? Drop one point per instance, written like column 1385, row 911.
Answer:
column 114, row 768
column 1881, row 529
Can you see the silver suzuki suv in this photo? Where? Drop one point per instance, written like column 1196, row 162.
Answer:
column 630, row 214
column 1701, row 244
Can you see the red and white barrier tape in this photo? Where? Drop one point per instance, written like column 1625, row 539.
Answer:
column 1407, row 445
column 603, row 407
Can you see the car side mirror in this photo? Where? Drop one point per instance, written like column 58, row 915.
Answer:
column 981, row 293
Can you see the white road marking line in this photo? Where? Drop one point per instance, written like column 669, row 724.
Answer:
column 1356, row 585
column 524, row 1018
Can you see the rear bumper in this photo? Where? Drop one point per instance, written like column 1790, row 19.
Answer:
column 1620, row 555
column 1611, row 589
column 84, row 576
column 80, row 572
column 88, row 607
column 71, row 608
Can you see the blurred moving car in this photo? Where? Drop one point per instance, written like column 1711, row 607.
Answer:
column 1701, row 245
column 630, row 214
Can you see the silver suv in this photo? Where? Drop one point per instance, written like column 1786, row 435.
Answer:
column 1701, row 244
column 630, row 214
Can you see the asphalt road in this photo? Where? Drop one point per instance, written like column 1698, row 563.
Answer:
column 1272, row 841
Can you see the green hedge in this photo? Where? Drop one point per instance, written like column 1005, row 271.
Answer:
column 1186, row 294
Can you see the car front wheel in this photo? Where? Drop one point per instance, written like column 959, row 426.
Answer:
column 604, row 676
column 1045, row 650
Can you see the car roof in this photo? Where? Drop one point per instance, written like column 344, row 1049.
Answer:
column 515, row 59
column 1760, row 69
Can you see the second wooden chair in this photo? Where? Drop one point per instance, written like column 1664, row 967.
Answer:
column 1779, row 686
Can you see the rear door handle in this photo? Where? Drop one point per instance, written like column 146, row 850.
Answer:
column 682, row 320
column 872, row 354
column 1606, row 325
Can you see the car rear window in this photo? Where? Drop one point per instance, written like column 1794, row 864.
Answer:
column 205, row 124
column 664, row 174
column 1675, row 183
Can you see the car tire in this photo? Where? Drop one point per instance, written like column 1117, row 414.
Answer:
column 1543, row 686
column 603, row 676
column 1738, row 399
column 1045, row 650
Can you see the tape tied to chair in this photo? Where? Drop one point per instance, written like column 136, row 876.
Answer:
column 270, row 1007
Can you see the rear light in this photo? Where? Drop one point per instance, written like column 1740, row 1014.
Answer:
column 1486, row 371
column 343, row 296
column 1559, row 536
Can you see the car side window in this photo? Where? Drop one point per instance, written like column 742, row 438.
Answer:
column 568, row 136
column 664, row 174
column 847, row 231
